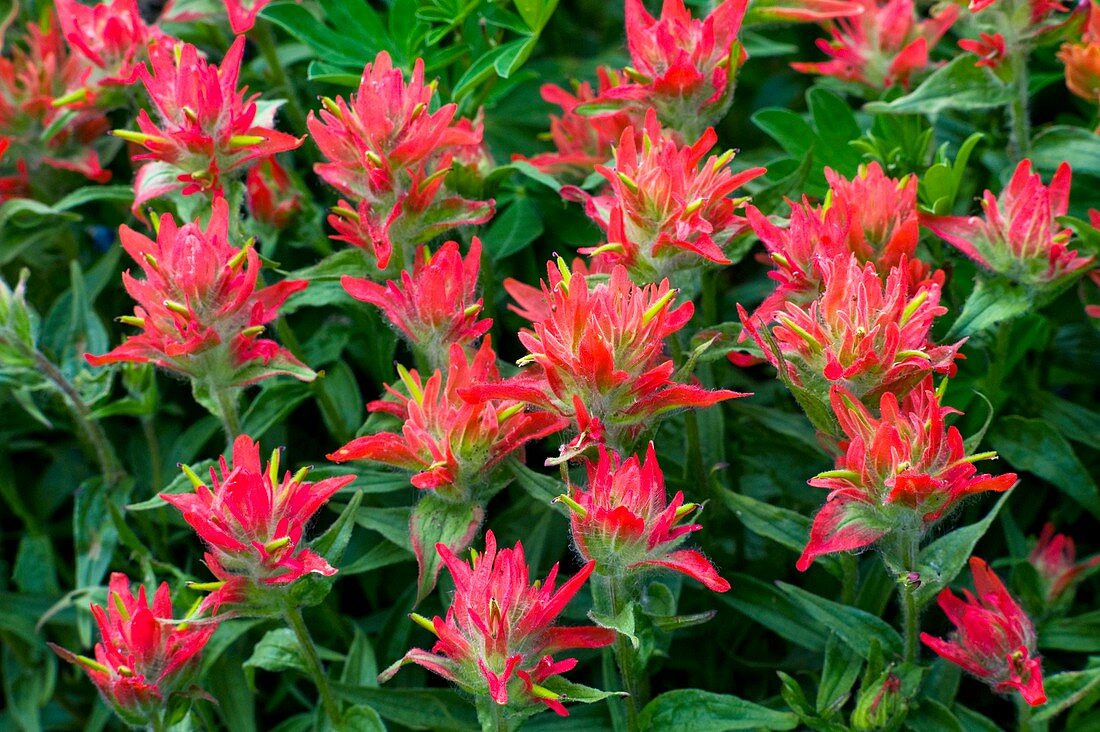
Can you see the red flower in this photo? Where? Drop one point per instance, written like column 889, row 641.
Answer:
column 993, row 639
column 882, row 46
column 1019, row 237
column 447, row 442
column 902, row 470
column 1082, row 59
column 270, row 196
column 498, row 637
column 111, row 35
column 603, row 349
column 144, row 657
column 667, row 209
column 879, row 212
column 581, row 141
column 624, row 522
column 870, row 336
column 436, row 304
column 253, row 522
column 242, row 13
column 390, row 154
column 1055, row 560
column 207, row 127
column 684, row 68
column 989, row 48
column 198, row 307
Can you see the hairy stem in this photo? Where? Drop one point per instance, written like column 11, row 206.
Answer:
column 228, row 410
column 610, row 597
column 294, row 619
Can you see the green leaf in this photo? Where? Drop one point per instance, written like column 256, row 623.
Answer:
column 991, row 301
column 437, row 521
column 332, row 543
column 359, row 718
column 536, row 13
column 855, row 627
column 513, row 230
column 793, row 133
column 942, row 560
column 704, row 711
column 1034, row 446
column 392, row 523
column 525, row 168
column 276, row 400
column 361, row 666
column 543, row 488
column 1080, row 634
column 839, row 674
column 415, row 708
column 958, row 85
column 380, row 555
column 1059, row 143
column 300, row 23
column 278, row 650
column 572, row 692
column 623, row 623
column 1066, row 689
column 781, row 525
column 932, row 716
column 764, row 603
column 515, row 55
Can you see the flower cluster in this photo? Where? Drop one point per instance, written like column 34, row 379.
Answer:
column 666, row 208
column 625, row 523
column 253, row 521
column 1019, row 238
column 1082, row 60
column 882, row 46
column 144, row 657
column 498, row 636
column 270, row 195
column 111, row 36
column 198, row 307
column 1055, row 561
column 898, row 473
column 206, row 127
column 993, row 639
column 596, row 355
column 389, row 153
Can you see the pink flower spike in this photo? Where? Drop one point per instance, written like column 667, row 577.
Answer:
column 993, row 639
column 1055, row 560
column 198, row 307
column 144, row 657
column 271, row 198
column 205, row 127
column 253, row 521
column 989, row 48
column 625, row 523
column 498, row 635
column 1019, row 237
column 436, row 304
column 112, row 36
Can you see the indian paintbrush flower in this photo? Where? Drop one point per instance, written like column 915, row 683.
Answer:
column 994, row 639
column 498, row 637
column 112, row 36
column 1055, row 561
column 253, row 520
column 898, row 473
column 145, row 662
column 625, row 523
column 199, row 309
column 270, row 195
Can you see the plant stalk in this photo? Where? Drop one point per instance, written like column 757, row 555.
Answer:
column 294, row 619
column 610, row 598
column 228, row 410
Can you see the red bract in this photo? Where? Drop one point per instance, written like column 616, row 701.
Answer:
column 389, row 153
column 1019, row 237
column 667, row 209
column 42, row 87
column 901, row 471
column 1082, row 60
column 1055, row 560
column 144, row 657
column 993, row 639
column 625, row 523
column 988, row 47
column 206, row 126
column 253, row 522
column 270, row 196
column 870, row 336
column 198, row 307
column 581, row 141
column 599, row 355
column 684, row 68
column 882, row 46
column 447, row 442
column 498, row 637
column 111, row 35
column 879, row 213
column 242, row 13
column 436, row 304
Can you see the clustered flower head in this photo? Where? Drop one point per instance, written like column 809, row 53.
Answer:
column 993, row 639
column 685, row 69
column 42, row 88
column 1055, row 561
column 597, row 355
column 869, row 336
column 270, row 195
column 447, row 442
column 253, row 521
column 1082, row 59
column 206, row 127
column 389, row 153
column 883, row 46
column 198, row 308
column 898, row 472
column 111, row 36
column 436, row 304
column 666, row 208
column 625, row 523
column 498, row 638
column 144, row 659
column 1019, row 237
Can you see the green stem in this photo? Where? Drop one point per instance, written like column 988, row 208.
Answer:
column 109, row 464
column 910, row 611
column 694, row 470
column 491, row 715
column 313, row 663
column 265, row 41
column 610, row 598
column 849, row 577
column 228, row 410
column 1019, row 115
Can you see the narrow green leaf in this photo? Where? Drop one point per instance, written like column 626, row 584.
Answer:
column 958, row 85
column 704, row 711
column 855, row 627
